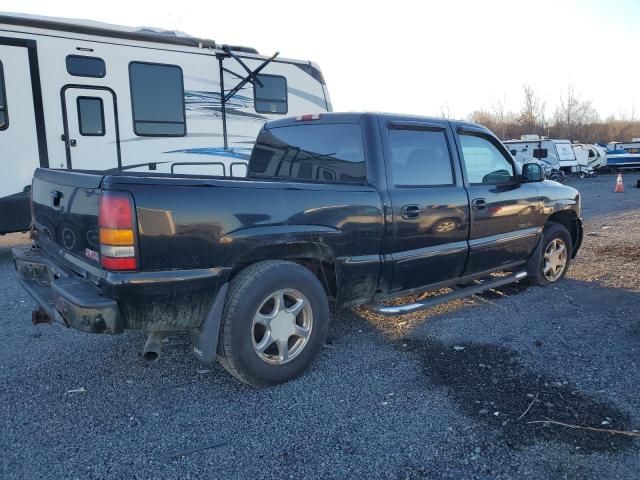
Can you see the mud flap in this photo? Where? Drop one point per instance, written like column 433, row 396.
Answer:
column 205, row 338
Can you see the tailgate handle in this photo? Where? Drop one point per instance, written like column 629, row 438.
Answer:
column 56, row 196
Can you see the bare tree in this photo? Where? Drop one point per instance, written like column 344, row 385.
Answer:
column 445, row 111
column 532, row 112
column 500, row 116
column 573, row 113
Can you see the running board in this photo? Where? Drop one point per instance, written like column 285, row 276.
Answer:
column 437, row 300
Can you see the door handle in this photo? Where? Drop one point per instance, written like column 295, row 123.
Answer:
column 411, row 211
column 478, row 204
column 56, row 196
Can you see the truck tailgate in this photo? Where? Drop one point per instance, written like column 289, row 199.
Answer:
column 65, row 209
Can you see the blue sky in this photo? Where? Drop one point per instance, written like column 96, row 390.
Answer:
column 417, row 56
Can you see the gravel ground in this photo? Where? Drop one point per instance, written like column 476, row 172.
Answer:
column 447, row 393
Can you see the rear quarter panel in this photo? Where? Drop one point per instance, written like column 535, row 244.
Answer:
column 222, row 223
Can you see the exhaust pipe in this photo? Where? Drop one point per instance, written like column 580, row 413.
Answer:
column 40, row 316
column 152, row 347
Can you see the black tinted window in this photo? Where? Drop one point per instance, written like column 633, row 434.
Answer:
column 91, row 116
column 157, row 97
column 325, row 153
column 540, row 153
column 420, row 158
column 4, row 116
column 272, row 96
column 483, row 161
column 80, row 66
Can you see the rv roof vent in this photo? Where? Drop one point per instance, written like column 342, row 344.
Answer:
column 529, row 137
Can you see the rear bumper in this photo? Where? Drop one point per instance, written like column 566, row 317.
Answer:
column 152, row 301
column 65, row 296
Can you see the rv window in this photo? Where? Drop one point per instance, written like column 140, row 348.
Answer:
column 420, row 158
column 91, row 116
column 540, row 153
column 157, row 100
column 80, row 66
column 4, row 116
column 272, row 96
column 320, row 153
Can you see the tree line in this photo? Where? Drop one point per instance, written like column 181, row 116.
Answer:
column 573, row 118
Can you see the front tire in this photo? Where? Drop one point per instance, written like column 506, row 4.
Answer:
column 557, row 248
column 274, row 323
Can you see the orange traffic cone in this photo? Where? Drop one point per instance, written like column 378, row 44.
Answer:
column 619, row 185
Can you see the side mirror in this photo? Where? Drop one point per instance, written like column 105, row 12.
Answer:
column 532, row 172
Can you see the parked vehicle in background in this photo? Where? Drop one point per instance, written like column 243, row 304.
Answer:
column 589, row 155
column 550, row 172
column 82, row 95
column 558, row 153
column 359, row 208
column 623, row 156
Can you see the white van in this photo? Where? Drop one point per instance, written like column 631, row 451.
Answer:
column 84, row 95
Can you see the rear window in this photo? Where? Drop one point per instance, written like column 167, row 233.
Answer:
column 321, row 153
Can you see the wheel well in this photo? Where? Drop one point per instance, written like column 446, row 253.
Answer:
column 567, row 218
column 315, row 257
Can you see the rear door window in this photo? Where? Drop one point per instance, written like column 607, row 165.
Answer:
column 4, row 115
column 91, row 116
column 321, row 153
column 420, row 158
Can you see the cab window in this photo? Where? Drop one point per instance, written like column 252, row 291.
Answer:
column 483, row 162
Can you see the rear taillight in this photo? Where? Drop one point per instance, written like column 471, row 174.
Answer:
column 117, row 231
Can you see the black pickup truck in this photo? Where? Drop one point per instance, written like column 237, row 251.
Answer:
column 357, row 208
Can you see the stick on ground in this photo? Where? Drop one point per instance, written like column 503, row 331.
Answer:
column 592, row 429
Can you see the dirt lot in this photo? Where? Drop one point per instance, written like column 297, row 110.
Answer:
column 470, row 389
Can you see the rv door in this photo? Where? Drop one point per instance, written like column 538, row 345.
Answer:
column 91, row 128
column 19, row 155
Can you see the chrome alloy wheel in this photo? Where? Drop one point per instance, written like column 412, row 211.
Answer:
column 555, row 259
column 281, row 327
column 446, row 226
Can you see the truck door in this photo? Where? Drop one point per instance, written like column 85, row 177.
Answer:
column 90, row 124
column 505, row 217
column 426, row 242
column 19, row 154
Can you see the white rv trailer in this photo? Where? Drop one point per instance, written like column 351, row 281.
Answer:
column 558, row 153
column 90, row 96
column 592, row 156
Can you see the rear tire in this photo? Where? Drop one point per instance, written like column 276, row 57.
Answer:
column 274, row 323
column 557, row 248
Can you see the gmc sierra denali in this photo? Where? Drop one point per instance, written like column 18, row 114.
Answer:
column 357, row 208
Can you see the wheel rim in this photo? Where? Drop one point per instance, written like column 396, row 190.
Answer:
column 555, row 259
column 282, row 326
column 447, row 226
